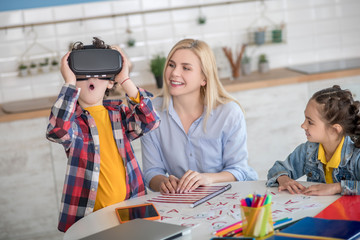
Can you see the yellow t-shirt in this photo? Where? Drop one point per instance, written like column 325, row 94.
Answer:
column 333, row 163
column 112, row 178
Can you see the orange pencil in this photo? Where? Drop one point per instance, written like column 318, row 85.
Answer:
column 225, row 231
column 227, row 227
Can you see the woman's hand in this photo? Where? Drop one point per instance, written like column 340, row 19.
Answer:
column 286, row 183
column 168, row 185
column 66, row 72
column 323, row 189
column 191, row 180
column 163, row 184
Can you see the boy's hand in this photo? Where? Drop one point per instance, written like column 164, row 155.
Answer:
column 286, row 183
column 123, row 77
column 323, row 189
column 125, row 72
column 66, row 72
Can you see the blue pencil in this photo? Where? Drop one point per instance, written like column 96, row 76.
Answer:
column 281, row 221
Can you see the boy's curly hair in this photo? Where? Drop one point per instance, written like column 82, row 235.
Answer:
column 337, row 106
column 97, row 43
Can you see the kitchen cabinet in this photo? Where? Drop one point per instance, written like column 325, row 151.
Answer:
column 352, row 83
column 29, row 199
column 273, row 118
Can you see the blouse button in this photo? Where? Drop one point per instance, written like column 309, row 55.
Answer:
column 309, row 174
column 93, row 189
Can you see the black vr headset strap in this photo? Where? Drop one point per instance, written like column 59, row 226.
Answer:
column 89, row 47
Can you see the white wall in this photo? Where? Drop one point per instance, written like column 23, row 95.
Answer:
column 316, row 30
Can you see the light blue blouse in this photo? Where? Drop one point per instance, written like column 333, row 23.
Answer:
column 169, row 150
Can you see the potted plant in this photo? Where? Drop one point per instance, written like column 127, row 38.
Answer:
column 259, row 36
column 246, row 65
column 33, row 68
column 201, row 20
column 277, row 33
column 23, row 69
column 54, row 64
column 131, row 42
column 157, row 64
column 45, row 67
column 263, row 64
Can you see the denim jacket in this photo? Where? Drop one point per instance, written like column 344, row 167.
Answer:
column 304, row 161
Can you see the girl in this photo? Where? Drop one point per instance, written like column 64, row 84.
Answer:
column 332, row 153
column 202, row 135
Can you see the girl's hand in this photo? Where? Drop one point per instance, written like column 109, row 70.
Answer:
column 66, row 72
column 323, row 189
column 191, row 180
column 168, row 185
column 286, row 183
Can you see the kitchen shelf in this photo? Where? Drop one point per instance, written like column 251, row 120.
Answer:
column 126, row 14
column 269, row 37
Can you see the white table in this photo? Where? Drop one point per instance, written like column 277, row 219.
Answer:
column 220, row 211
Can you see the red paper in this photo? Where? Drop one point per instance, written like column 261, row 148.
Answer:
column 344, row 208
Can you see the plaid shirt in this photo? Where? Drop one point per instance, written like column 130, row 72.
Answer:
column 75, row 129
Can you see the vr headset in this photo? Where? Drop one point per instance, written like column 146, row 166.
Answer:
column 95, row 62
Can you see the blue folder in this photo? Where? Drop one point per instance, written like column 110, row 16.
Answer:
column 309, row 227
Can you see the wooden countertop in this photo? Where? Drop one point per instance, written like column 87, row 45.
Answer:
column 275, row 77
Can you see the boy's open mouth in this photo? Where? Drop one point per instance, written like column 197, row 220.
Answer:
column 91, row 86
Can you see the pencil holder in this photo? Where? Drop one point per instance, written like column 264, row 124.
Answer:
column 257, row 221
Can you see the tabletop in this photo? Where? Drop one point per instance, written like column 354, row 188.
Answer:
column 210, row 216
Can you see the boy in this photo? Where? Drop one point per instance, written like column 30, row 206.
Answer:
column 96, row 134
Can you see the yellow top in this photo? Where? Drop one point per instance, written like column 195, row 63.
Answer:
column 332, row 163
column 112, row 178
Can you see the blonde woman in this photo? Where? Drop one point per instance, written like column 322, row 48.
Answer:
column 202, row 135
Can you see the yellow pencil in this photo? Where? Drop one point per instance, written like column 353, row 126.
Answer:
column 305, row 236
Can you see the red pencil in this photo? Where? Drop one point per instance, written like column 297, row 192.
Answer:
column 232, row 233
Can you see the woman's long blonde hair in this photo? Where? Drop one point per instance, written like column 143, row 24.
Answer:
column 213, row 92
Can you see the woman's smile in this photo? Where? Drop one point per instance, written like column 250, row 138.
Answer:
column 176, row 83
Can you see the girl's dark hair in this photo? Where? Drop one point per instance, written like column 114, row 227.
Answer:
column 339, row 107
column 97, row 43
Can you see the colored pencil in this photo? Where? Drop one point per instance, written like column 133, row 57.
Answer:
column 286, row 225
column 224, row 232
column 281, row 221
column 224, row 228
column 232, row 233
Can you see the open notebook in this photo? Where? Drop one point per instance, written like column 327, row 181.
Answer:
column 141, row 229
